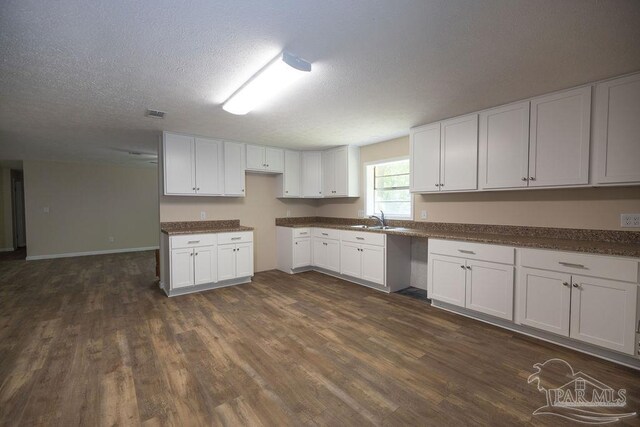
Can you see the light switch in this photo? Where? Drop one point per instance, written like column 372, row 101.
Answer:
column 423, row 214
column 203, row 215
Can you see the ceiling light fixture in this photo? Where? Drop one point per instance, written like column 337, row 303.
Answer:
column 272, row 79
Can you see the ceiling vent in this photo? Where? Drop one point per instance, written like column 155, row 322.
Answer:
column 155, row 114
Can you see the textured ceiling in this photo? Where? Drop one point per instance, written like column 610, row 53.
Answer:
column 77, row 76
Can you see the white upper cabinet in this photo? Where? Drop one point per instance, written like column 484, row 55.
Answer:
column 425, row 158
column 504, row 147
column 559, row 138
column 444, row 156
column 459, row 153
column 178, row 161
column 192, row 166
column 209, row 167
column 311, row 174
column 340, row 177
column 265, row 159
column 234, row 180
column 617, row 131
column 289, row 182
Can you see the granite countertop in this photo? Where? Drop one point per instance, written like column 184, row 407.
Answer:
column 197, row 227
column 606, row 242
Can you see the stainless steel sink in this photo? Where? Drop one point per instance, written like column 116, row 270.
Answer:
column 376, row 227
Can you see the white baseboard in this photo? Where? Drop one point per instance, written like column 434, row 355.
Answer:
column 74, row 254
column 7, row 249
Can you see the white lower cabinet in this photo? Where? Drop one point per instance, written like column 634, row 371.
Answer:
column 326, row 254
column 302, row 252
column 205, row 262
column 362, row 261
column 485, row 285
column 235, row 260
column 182, row 267
column 594, row 310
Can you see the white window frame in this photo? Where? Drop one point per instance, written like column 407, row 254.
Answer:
column 369, row 188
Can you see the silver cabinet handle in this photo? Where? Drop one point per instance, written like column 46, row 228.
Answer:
column 191, row 254
column 325, row 234
column 196, row 253
column 575, row 285
column 532, row 178
column 468, row 267
column 193, row 188
column 360, row 238
column 193, row 241
column 236, row 238
column 570, row 264
column 462, row 266
column 524, row 178
column 303, row 233
column 198, row 188
column 464, row 251
column 565, row 283
column 324, row 243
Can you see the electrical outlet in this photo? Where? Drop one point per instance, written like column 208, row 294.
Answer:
column 288, row 213
column 45, row 209
column 361, row 213
column 203, row 215
column 111, row 239
column 423, row 214
column 630, row 220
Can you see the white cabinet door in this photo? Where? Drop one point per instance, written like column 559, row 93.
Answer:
column 205, row 265
column 291, row 175
column 333, row 255
column 544, row 298
column 318, row 253
column 340, row 172
column 178, row 159
column 447, row 279
column 373, row 263
column 350, row 259
column 459, row 154
column 504, row 147
column 226, row 262
column 311, row 174
column 425, row 159
column 234, row 184
column 489, row 288
column 559, row 138
column 617, row 130
column 209, row 167
column 274, row 159
column 603, row 312
column 256, row 158
column 301, row 252
column 328, row 177
column 181, row 268
column 244, row 259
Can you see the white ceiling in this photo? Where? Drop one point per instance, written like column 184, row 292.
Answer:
column 76, row 77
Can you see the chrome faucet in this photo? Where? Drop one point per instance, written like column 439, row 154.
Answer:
column 380, row 218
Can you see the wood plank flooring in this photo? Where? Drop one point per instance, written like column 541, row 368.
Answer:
column 93, row 341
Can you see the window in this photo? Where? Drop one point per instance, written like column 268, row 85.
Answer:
column 388, row 189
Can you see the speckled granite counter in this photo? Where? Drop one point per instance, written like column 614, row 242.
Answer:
column 195, row 227
column 623, row 243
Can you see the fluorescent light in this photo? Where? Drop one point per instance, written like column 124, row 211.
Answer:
column 278, row 74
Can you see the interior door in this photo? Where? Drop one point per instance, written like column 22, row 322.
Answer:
column 301, row 252
column 350, row 259
column 459, row 154
column 234, row 180
column 178, row 159
column 226, row 262
column 603, row 312
column 292, row 173
column 205, row 263
column 425, row 159
column 545, row 299
column 447, row 279
column 559, row 138
column 181, row 268
column 489, row 288
column 209, row 167
column 244, row 259
column 256, row 158
column 373, row 264
column 274, row 159
column 504, row 147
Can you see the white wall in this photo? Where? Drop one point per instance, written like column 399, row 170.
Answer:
column 88, row 203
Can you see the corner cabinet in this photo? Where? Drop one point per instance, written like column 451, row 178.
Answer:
column 340, row 177
column 264, row 159
column 289, row 182
column 312, row 174
column 234, row 163
column 617, row 131
column 444, row 156
column 196, row 262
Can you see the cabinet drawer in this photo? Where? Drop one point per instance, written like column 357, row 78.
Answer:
column 326, row 233
column 469, row 250
column 583, row 264
column 192, row 240
column 377, row 239
column 239, row 237
column 301, row 232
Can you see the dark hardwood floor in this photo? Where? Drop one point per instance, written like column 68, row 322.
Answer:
column 93, row 341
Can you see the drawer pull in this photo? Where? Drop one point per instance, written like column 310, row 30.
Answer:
column 325, row 234
column 360, row 238
column 193, row 241
column 464, row 251
column 236, row 238
column 570, row 264
column 304, row 233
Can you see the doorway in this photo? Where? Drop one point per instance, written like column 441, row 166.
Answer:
column 17, row 203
